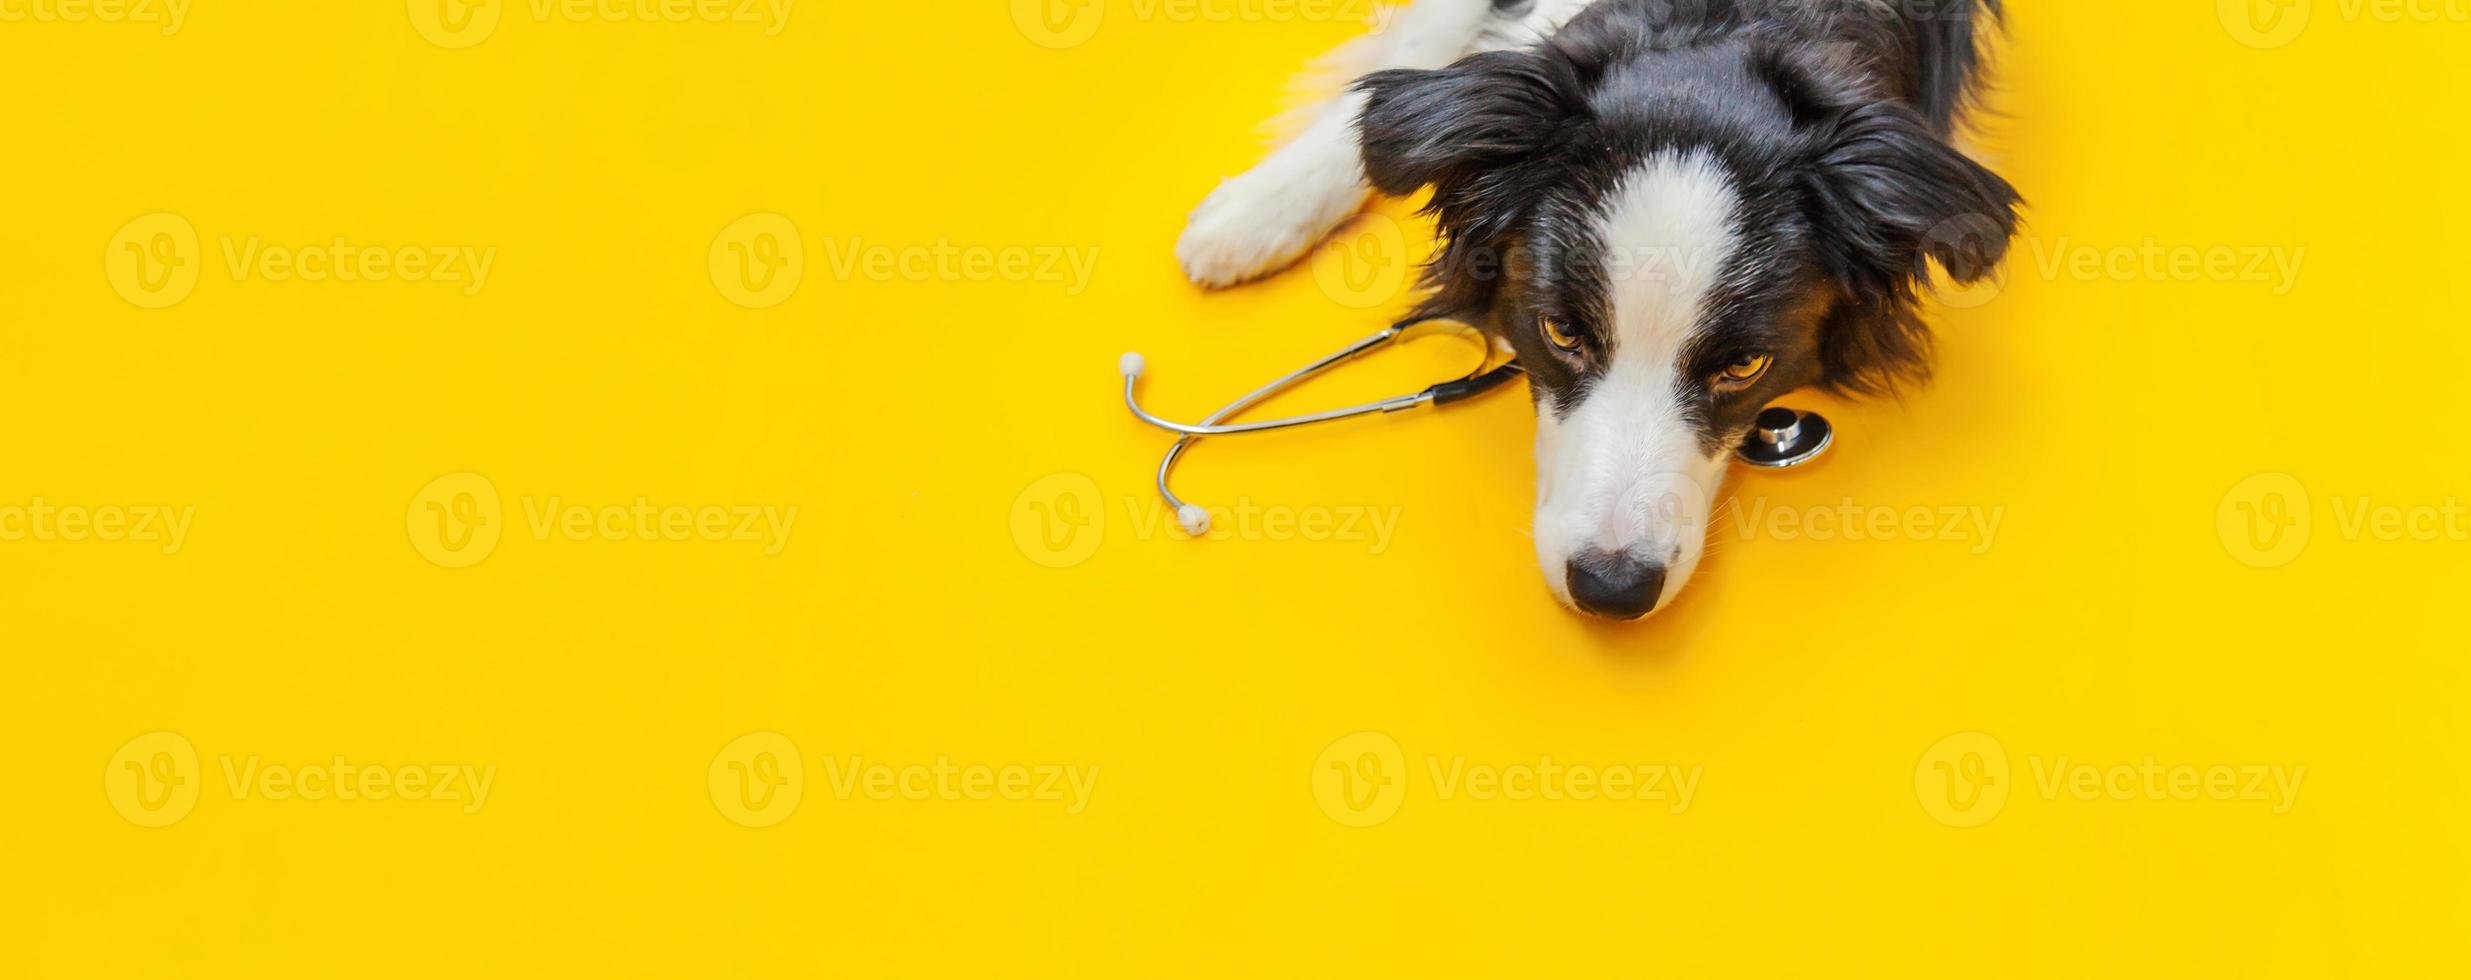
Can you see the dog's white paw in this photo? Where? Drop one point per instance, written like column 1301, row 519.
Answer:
column 1259, row 223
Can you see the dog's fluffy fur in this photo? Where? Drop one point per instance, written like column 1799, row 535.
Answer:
column 1640, row 196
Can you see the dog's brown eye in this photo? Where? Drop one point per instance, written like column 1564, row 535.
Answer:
column 1559, row 335
column 1743, row 371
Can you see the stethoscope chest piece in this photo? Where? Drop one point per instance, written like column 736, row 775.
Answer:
column 1782, row 437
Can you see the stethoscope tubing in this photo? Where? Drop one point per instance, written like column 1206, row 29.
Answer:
column 1213, row 424
column 1195, row 520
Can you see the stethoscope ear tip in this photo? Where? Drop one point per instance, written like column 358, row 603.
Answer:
column 1131, row 364
column 1196, row 521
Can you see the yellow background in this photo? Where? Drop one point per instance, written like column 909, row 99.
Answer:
column 912, row 615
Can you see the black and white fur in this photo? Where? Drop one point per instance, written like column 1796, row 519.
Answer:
column 1681, row 186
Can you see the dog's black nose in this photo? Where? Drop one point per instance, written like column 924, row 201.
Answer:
column 1615, row 586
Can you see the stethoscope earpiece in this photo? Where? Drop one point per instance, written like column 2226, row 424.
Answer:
column 1194, row 518
column 1782, row 437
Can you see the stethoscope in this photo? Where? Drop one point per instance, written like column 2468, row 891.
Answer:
column 1779, row 437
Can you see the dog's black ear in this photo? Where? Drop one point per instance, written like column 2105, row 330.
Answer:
column 1428, row 127
column 1888, row 192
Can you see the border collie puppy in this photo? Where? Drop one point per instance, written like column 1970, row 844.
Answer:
column 1674, row 210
